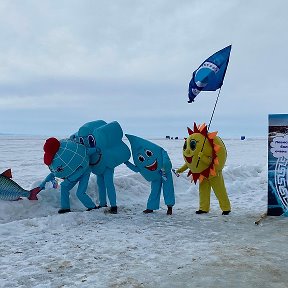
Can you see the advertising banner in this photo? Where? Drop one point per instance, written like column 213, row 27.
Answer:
column 278, row 165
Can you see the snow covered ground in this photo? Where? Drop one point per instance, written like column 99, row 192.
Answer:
column 40, row 248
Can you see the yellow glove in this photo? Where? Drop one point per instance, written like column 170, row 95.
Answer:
column 182, row 169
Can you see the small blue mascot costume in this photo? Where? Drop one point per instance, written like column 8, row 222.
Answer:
column 68, row 160
column 109, row 152
column 154, row 164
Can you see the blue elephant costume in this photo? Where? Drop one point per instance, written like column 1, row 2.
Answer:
column 154, row 164
column 109, row 152
column 69, row 161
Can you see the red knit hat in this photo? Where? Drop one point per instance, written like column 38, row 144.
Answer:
column 50, row 148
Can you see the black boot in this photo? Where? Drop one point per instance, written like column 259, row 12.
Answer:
column 201, row 212
column 169, row 210
column 62, row 211
column 89, row 209
column 113, row 210
column 98, row 207
column 148, row 211
column 226, row 212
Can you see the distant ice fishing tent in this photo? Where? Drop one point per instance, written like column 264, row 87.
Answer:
column 278, row 165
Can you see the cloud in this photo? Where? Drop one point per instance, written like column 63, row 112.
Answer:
column 132, row 61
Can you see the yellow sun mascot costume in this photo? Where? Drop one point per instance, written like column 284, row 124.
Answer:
column 209, row 169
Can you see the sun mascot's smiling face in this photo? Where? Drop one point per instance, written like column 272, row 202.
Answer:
column 214, row 152
column 191, row 149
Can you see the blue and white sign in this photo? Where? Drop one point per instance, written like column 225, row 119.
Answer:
column 278, row 165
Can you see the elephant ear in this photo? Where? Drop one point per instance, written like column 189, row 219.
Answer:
column 109, row 139
column 117, row 155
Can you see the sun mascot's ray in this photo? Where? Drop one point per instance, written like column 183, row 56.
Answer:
column 206, row 164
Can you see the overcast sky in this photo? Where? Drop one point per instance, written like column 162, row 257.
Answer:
column 65, row 62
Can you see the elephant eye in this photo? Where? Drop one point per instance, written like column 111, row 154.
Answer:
column 81, row 140
column 92, row 141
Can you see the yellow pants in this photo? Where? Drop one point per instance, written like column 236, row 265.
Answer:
column 218, row 186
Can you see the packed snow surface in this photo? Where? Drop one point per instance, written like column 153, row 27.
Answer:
column 40, row 248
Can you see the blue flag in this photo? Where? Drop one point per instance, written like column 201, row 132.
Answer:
column 210, row 74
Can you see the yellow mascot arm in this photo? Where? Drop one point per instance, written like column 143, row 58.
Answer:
column 204, row 158
column 182, row 169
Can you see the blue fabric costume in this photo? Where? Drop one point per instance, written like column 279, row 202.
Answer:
column 109, row 152
column 69, row 161
column 154, row 164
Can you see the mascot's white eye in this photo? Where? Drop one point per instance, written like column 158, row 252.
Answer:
column 149, row 153
column 193, row 144
column 141, row 158
column 91, row 141
column 81, row 140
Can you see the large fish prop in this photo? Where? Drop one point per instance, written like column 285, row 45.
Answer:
column 11, row 191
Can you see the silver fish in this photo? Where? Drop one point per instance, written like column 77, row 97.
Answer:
column 11, row 191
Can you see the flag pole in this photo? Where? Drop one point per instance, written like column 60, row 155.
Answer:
column 214, row 108
column 209, row 124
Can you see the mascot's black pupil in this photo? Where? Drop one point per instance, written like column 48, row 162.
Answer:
column 91, row 140
column 149, row 153
column 193, row 144
column 81, row 140
column 185, row 146
column 141, row 158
